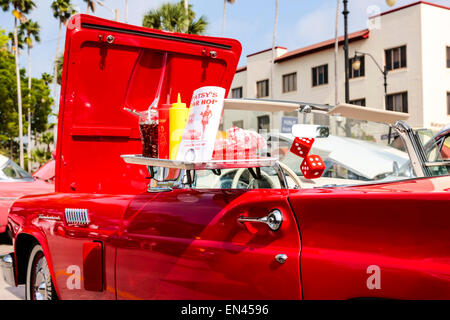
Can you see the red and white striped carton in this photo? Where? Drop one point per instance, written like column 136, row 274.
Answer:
column 219, row 152
column 240, row 144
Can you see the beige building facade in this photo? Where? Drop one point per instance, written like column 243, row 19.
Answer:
column 413, row 42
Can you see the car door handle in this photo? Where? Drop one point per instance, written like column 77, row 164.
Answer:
column 273, row 220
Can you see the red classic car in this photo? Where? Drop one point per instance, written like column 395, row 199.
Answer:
column 367, row 229
column 16, row 182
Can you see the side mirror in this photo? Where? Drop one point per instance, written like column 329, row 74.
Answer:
column 395, row 169
column 310, row 131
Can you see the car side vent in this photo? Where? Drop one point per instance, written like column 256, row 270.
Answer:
column 77, row 216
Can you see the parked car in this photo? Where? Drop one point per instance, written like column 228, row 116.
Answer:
column 106, row 233
column 16, row 182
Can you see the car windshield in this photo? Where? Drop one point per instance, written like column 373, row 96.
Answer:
column 354, row 152
column 11, row 171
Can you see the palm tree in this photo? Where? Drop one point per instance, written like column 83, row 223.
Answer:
column 20, row 8
column 90, row 5
column 20, row 42
column 172, row 17
column 186, row 12
column 59, row 65
column 30, row 30
column 224, row 13
column 47, row 78
column 62, row 10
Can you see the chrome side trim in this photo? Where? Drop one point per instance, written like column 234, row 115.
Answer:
column 282, row 176
column 9, row 198
column 442, row 163
column 45, row 217
column 7, row 266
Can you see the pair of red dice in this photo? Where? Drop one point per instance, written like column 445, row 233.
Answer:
column 312, row 166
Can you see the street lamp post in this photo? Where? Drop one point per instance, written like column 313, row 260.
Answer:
column 347, row 82
column 390, row 3
column 115, row 12
column 356, row 65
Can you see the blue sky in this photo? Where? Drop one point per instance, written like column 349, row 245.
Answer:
column 301, row 22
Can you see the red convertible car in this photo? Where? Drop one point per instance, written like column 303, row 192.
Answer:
column 259, row 230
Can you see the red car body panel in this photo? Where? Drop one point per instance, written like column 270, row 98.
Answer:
column 189, row 244
column 186, row 244
column 46, row 172
column 403, row 228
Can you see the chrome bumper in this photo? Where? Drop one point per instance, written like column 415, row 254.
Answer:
column 7, row 266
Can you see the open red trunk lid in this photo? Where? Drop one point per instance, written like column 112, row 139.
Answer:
column 110, row 65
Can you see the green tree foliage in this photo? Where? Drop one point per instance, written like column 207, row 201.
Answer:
column 3, row 40
column 59, row 66
column 20, row 42
column 172, row 17
column 19, row 10
column 20, row 5
column 29, row 32
column 90, row 5
column 47, row 78
column 39, row 101
column 43, row 154
column 62, row 10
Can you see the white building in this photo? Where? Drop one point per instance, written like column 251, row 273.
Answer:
column 413, row 41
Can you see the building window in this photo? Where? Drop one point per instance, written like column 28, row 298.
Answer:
column 396, row 58
column 290, row 82
column 356, row 73
column 239, row 124
column 359, row 102
column 262, row 88
column 448, row 103
column 320, row 75
column 264, row 123
column 448, row 57
column 397, row 102
column 236, row 93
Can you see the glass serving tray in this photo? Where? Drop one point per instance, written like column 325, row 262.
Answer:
column 201, row 165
